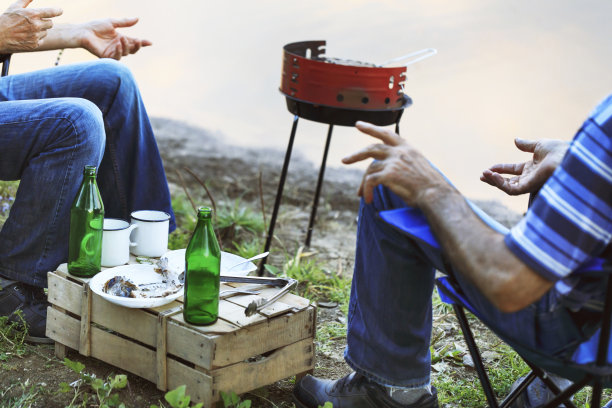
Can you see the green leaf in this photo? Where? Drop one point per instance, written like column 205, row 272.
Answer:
column 113, row 400
column 97, row 384
column 74, row 365
column 327, row 405
column 120, row 381
column 65, row 387
column 230, row 399
column 175, row 396
column 272, row 269
column 245, row 404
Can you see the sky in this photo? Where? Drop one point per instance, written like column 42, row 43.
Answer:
column 504, row 69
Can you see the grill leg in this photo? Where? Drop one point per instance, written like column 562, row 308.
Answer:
column 315, row 203
column 279, row 194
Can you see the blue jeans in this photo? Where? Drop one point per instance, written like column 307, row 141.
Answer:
column 53, row 122
column 390, row 312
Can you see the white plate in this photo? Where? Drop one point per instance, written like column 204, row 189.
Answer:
column 137, row 273
column 176, row 263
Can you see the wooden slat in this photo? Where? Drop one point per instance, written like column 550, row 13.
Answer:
column 199, row 384
column 63, row 328
column 264, row 337
column 85, row 332
column 246, row 376
column 190, row 345
column 162, row 356
column 234, row 314
column 63, row 293
column 275, row 309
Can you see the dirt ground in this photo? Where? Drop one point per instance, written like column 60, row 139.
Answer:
column 233, row 173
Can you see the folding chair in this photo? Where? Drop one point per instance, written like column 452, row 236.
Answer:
column 591, row 363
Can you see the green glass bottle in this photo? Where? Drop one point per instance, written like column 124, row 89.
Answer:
column 202, row 270
column 86, row 222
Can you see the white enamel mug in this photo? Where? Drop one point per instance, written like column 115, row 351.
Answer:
column 151, row 237
column 116, row 242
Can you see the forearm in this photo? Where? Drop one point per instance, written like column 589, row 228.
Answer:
column 62, row 36
column 479, row 253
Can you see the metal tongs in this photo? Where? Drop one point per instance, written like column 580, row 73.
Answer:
column 285, row 284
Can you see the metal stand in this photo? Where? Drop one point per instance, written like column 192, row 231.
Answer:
column 315, row 203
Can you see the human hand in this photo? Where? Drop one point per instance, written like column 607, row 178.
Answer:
column 101, row 38
column 529, row 176
column 398, row 166
column 22, row 29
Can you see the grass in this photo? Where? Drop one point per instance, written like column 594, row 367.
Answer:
column 21, row 394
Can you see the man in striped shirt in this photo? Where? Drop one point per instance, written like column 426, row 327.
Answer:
column 524, row 281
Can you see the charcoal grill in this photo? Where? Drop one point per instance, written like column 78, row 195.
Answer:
column 337, row 92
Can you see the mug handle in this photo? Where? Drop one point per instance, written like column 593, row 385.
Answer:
column 131, row 228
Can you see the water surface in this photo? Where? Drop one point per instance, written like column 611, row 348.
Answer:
column 504, row 69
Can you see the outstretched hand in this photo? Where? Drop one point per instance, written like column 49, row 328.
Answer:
column 397, row 166
column 22, row 28
column 102, row 39
column 529, row 176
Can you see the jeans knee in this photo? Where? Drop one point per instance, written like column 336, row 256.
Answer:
column 112, row 73
column 83, row 121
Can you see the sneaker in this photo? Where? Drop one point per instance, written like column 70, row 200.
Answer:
column 33, row 304
column 537, row 393
column 354, row 391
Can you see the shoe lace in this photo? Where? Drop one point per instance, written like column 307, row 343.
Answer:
column 349, row 382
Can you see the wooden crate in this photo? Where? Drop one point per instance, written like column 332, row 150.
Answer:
column 237, row 353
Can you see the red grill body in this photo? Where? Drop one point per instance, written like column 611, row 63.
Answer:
column 320, row 89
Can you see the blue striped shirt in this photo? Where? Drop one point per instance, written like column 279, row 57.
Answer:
column 570, row 221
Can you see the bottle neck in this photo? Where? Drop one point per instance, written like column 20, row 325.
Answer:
column 204, row 214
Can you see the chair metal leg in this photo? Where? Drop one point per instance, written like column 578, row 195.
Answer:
column 596, row 395
column 279, row 194
column 510, row 398
column 471, row 343
column 563, row 397
column 315, row 203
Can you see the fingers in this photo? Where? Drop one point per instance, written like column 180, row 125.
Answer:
column 385, row 135
column 114, row 51
column 46, row 24
column 124, row 22
column 508, row 168
column 525, row 145
column 371, row 178
column 375, row 151
column 510, row 186
column 492, row 178
column 134, row 46
column 125, row 46
column 20, row 4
